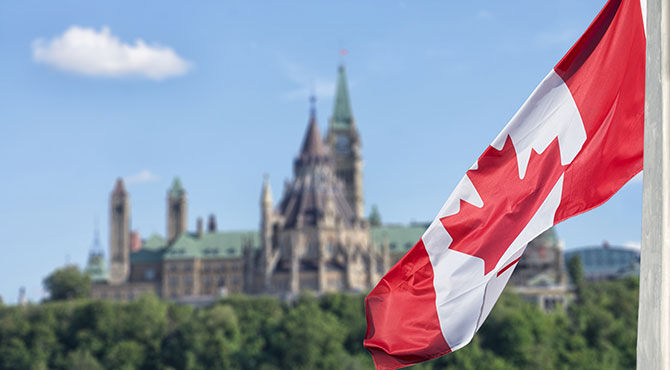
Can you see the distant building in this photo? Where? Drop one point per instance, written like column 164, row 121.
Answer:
column 540, row 275
column 607, row 262
column 315, row 238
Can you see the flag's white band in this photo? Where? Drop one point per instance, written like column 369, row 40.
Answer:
column 548, row 113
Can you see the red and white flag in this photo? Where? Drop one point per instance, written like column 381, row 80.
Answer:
column 575, row 141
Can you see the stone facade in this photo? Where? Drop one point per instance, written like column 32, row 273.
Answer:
column 315, row 238
column 119, row 235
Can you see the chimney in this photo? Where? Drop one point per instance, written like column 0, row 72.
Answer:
column 199, row 227
column 135, row 241
column 211, row 224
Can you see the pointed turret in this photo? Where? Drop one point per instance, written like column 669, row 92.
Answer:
column 342, row 116
column 312, row 144
column 176, row 190
column 267, row 219
column 266, row 193
column 176, row 210
column 313, row 151
column 96, row 267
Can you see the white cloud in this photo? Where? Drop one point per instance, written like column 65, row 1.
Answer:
column 306, row 82
column 142, row 177
column 99, row 53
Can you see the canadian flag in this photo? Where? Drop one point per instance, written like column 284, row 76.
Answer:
column 575, row 141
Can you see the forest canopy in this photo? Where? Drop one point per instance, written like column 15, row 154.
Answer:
column 596, row 331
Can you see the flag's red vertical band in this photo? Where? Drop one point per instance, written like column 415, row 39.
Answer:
column 604, row 72
column 403, row 326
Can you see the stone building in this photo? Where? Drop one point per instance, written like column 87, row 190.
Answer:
column 314, row 238
column 540, row 275
column 317, row 238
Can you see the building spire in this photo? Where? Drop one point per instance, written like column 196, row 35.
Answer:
column 97, row 246
column 342, row 115
column 312, row 145
column 266, row 194
column 176, row 189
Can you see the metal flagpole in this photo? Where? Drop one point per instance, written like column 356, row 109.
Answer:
column 653, row 332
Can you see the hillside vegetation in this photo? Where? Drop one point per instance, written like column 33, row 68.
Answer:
column 597, row 331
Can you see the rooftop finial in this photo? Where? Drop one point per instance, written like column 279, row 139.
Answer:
column 312, row 103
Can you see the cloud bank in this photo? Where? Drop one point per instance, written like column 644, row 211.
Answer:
column 142, row 177
column 90, row 52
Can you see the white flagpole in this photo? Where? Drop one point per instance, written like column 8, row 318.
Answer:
column 653, row 333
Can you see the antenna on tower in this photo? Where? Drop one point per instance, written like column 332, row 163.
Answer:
column 96, row 247
column 312, row 103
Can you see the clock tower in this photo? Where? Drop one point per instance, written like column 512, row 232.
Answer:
column 345, row 146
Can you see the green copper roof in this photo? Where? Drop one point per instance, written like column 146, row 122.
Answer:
column 400, row 237
column 228, row 244
column 176, row 190
column 342, row 116
column 96, row 267
column 152, row 250
column 147, row 255
column 154, row 242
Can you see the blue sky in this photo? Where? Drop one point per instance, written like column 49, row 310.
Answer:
column 431, row 82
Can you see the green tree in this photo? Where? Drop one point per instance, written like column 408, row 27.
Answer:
column 126, row 355
column 221, row 337
column 308, row 338
column 67, row 283
column 576, row 272
column 82, row 360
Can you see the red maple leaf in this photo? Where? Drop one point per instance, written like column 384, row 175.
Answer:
column 509, row 202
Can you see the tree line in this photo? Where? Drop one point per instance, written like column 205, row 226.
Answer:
column 596, row 331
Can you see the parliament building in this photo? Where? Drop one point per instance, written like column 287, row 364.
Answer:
column 316, row 238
